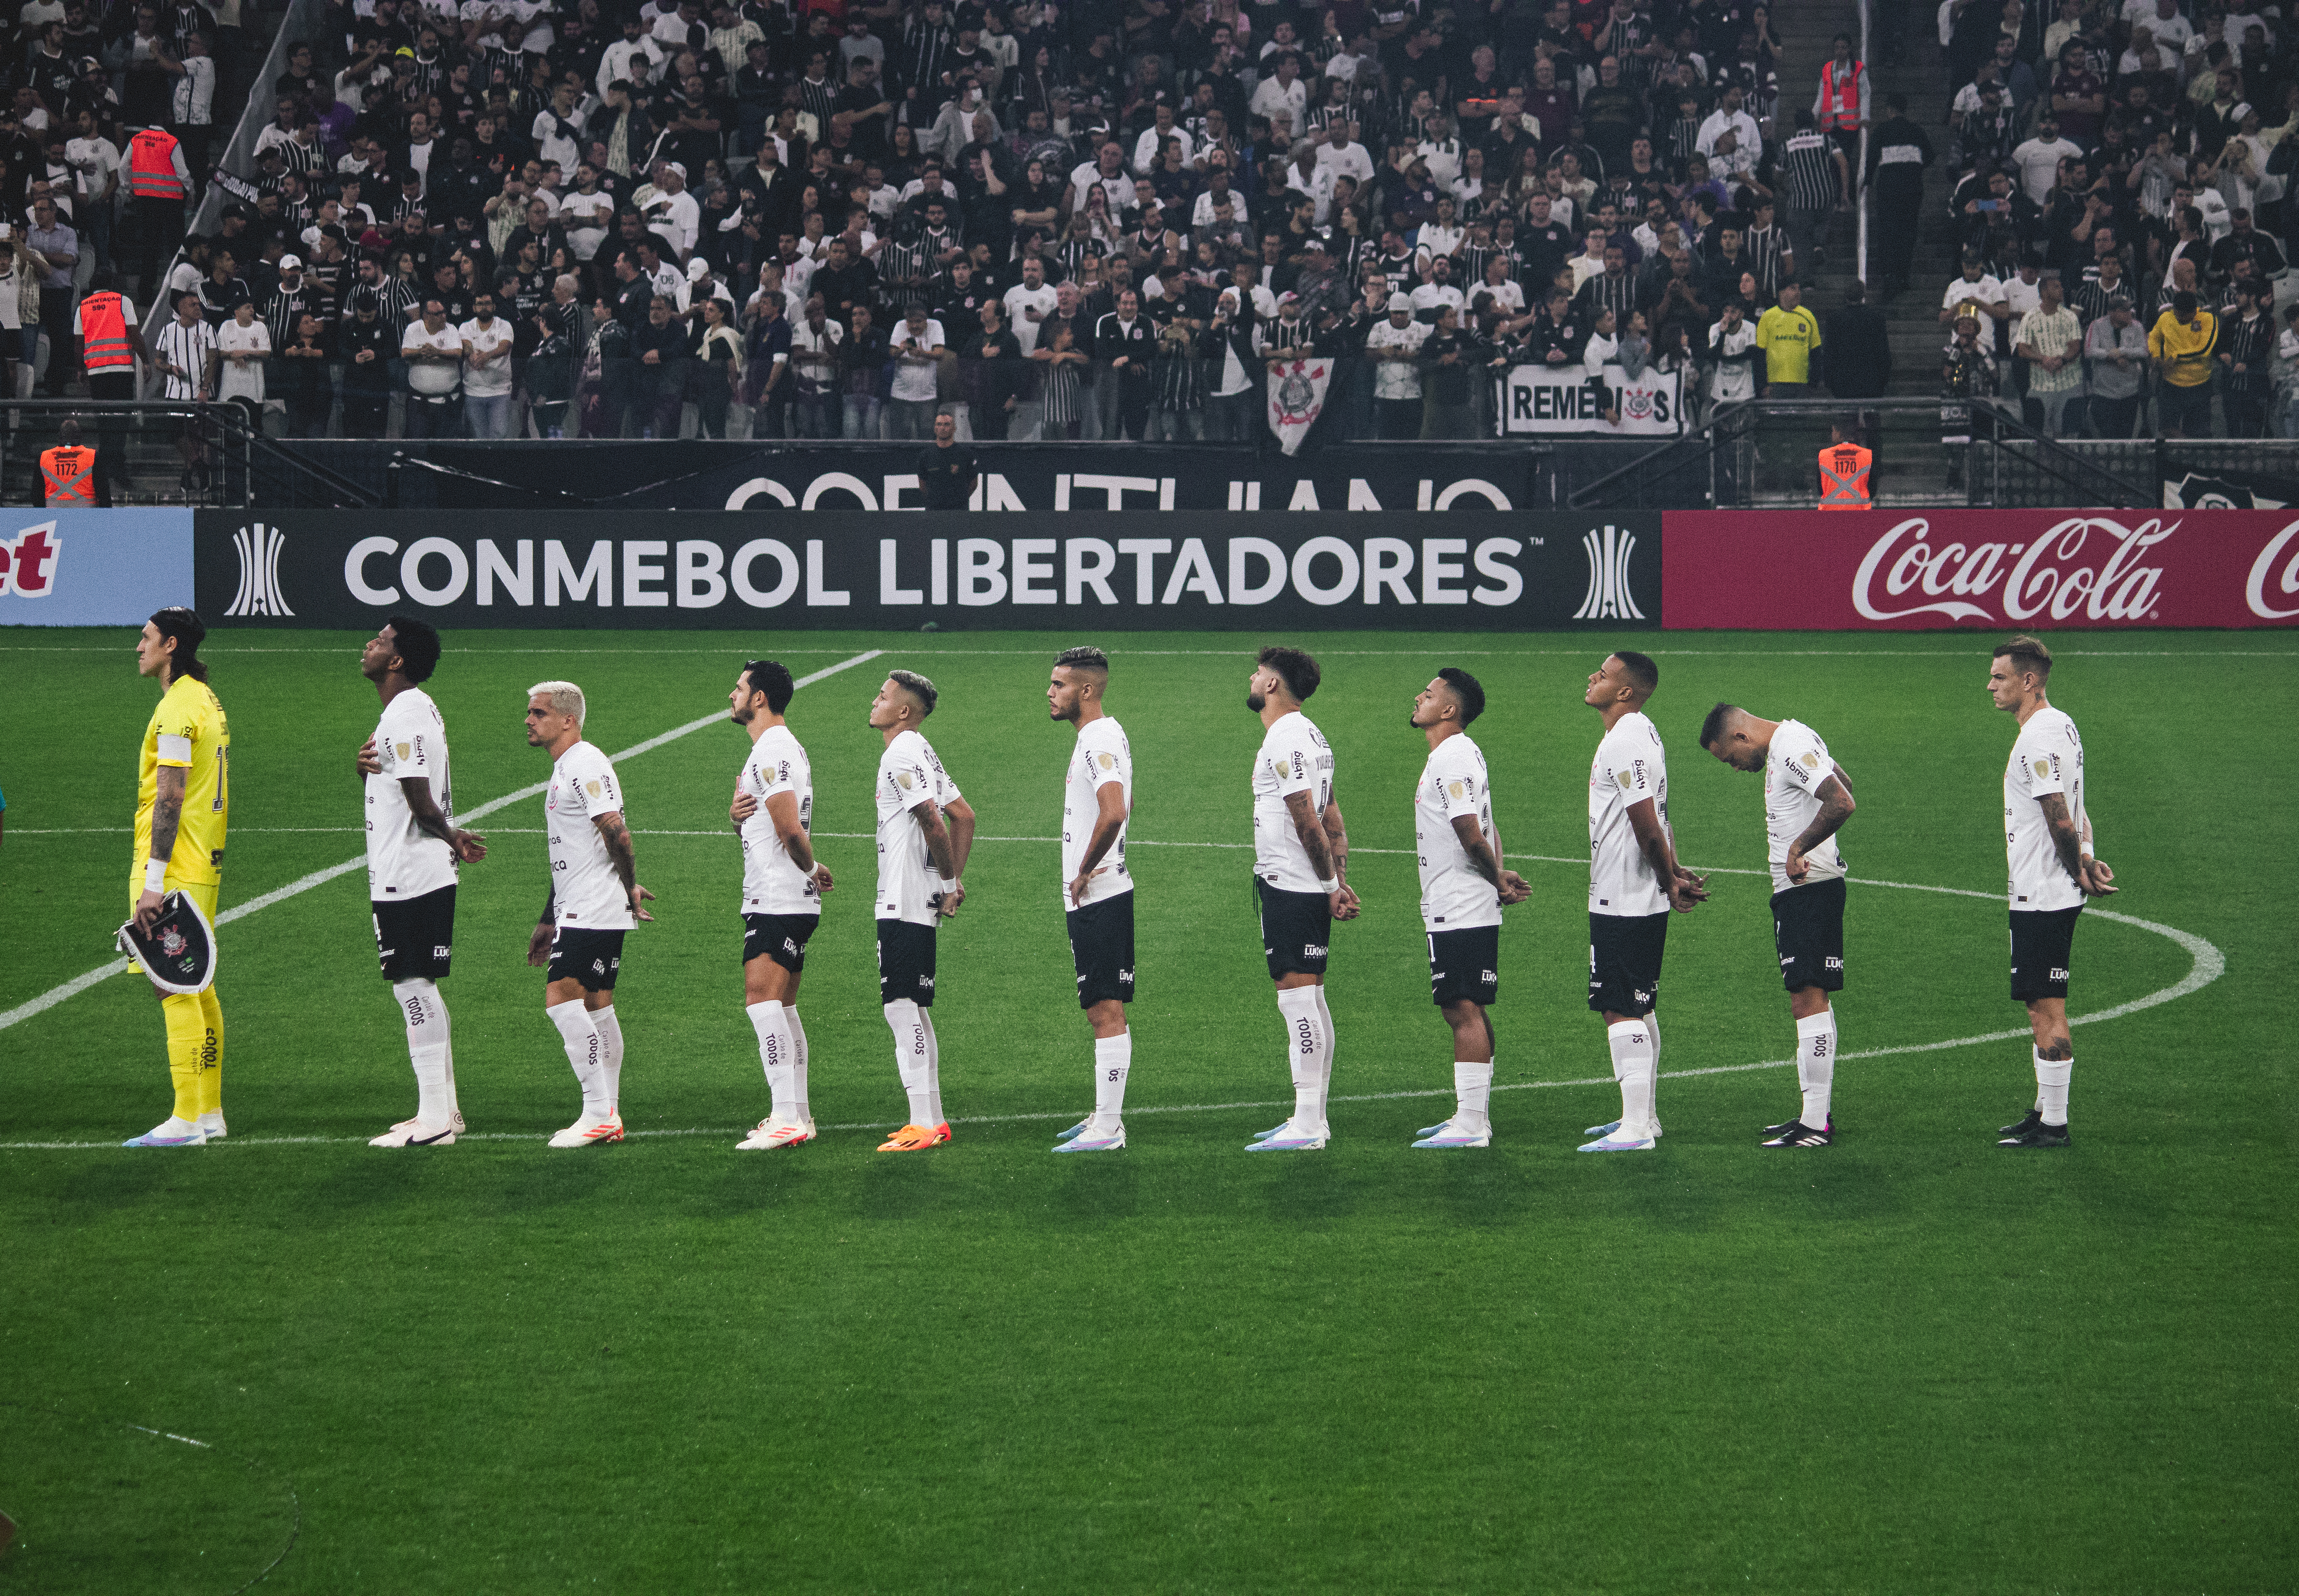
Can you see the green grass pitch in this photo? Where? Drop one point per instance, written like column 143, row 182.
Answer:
column 1907, row 1362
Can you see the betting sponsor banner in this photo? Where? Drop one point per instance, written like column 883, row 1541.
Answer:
column 853, row 570
column 92, row 567
column 2055, row 570
column 1537, row 400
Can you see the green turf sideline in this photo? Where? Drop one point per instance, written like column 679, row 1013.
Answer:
column 79, row 983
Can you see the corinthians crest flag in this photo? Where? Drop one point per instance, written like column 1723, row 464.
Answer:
column 1296, row 394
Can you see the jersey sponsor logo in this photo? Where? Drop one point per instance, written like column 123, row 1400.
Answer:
column 2054, row 572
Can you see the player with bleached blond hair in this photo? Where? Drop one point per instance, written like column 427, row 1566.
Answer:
column 594, row 898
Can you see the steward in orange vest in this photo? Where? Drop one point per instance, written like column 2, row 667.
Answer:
column 152, row 164
column 69, row 478
column 1844, row 467
column 1843, row 85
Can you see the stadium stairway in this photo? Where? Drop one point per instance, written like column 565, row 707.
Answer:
column 1909, row 465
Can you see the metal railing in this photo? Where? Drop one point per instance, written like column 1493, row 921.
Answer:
column 245, row 469
column 1724, row 463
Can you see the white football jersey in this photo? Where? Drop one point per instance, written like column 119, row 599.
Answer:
column 1293, row 758
column 2047, row 758
column 1102, row 756
column 402, row 859
column 1794, row 770
column 585, row 891
column 910, row 772
column 1453, row 895
column 772, row 882
column 1628, row 769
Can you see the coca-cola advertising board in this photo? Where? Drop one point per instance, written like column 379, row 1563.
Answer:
column 2060, row 569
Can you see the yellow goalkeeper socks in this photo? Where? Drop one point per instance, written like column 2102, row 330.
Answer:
column 211, row 1053
column 187, row 1034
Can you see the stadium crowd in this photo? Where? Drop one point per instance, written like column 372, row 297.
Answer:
column 832, row 218
column 2122, row 209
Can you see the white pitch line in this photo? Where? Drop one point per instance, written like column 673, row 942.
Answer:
column 79, row 983
column 1344, row 653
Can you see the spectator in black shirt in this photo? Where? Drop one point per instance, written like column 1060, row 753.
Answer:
column 992, row 367
column 863, row 112
column 1447, row 357
column 661, row 346
column 2245, row 242
column 946, row 470
column 369, row 344
column 302, row 366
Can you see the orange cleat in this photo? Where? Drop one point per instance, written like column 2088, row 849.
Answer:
column 915, row 1138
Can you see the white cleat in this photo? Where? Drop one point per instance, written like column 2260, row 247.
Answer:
column 1617, row 1142
column 591, row 1130
column 211, row 1122
column 1291, row 1137
column 1454, row 1132
column 170, row 1132
column 1610, row 1125
column 414, row 1133
column 771, row 1132
column 1092, row 1138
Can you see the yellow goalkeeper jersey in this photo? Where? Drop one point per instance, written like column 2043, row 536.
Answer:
column 189, row 730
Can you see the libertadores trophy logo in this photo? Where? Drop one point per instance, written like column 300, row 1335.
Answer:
column 1608, row 598
column 259, row 548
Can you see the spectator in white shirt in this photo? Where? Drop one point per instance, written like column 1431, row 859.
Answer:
column 1342, row 153
column 244, row 343
column 1283, row 94
column 918, row 349
column 486, row 370
column 1729, row 114
column 673, row 212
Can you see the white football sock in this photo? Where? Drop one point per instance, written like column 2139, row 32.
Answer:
column 427, row 1048
column 908, row 1022
column 1633, row 1065
column 771, row 1021
column 1333, row 1051
column 2051, row 1087
column 1652, row 1025
column 582, row 1039
column 454, row 1107
column 933, row 1070
column 800, row 1109
column 610, row 1056
column 1816, row 1065
column 1473, row 1092
column 1307, row 1044
column 1112, row 1059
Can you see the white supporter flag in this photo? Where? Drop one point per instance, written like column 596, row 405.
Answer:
column 1296, row 394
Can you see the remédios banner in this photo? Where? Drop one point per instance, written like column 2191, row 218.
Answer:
column 1540, row 400
column 857, row 571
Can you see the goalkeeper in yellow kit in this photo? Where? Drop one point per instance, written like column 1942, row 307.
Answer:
column 183, row 797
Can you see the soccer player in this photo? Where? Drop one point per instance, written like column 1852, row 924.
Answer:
column 781, row 894
column 2049, row 845
column 1097, row 890
column 1462, row 887
column 925, row 829
column 183, row 799
column 1300, row 853
column 1634, row 881
column 594, row 898
column 1807, row 799
column 412, row 848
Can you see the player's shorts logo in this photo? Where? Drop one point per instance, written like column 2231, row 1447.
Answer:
column 439, row 950
column 2058, row 974
column 1833, row 962
column 1313, row 950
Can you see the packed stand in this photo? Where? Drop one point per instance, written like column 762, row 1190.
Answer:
column 1114, row 219
column 2122, row 214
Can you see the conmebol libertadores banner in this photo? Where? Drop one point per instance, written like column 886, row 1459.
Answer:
column 2040, row 570
column 1178, row 570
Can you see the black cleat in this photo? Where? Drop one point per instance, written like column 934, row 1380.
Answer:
column 2035, row 1117
column 2041, row 1135
column 1786, row 1126
column 1795, row 1133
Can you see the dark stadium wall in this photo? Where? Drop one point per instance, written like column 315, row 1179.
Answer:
column 848, row 569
